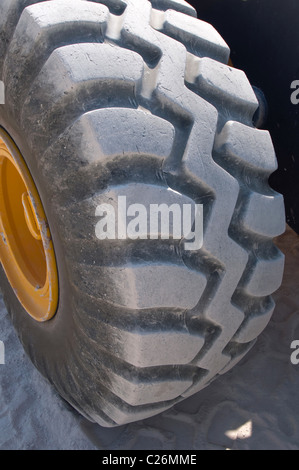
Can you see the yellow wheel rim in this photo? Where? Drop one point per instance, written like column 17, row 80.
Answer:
column 26, row 248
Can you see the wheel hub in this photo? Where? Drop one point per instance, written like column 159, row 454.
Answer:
column 26, row 249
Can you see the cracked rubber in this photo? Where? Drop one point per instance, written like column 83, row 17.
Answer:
column 133, row 98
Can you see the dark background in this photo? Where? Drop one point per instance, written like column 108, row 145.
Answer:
column 264, row 39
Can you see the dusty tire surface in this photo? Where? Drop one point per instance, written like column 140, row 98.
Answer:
column 134, row 98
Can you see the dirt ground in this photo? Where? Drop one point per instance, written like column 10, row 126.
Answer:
column 254, row 406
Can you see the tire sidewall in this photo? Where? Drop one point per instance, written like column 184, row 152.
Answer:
column 47, row 340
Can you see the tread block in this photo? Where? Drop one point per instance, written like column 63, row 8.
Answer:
column 94, row 149
column 228, row 86
column 144, row 286
column 240, row 144
column 199, row 37
column 11, row 11
column 178, row 5
column 125, row 131
column 40, row 31
column 77, row 79
column 152, row 349
column 253, row 326
column 145, row 345
column 135, row 386
column 266, row 277
column 236, row 351
column 135, row 212
column 137, row 394
column 263, row 215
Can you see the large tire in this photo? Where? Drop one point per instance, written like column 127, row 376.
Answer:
column 131, row 98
